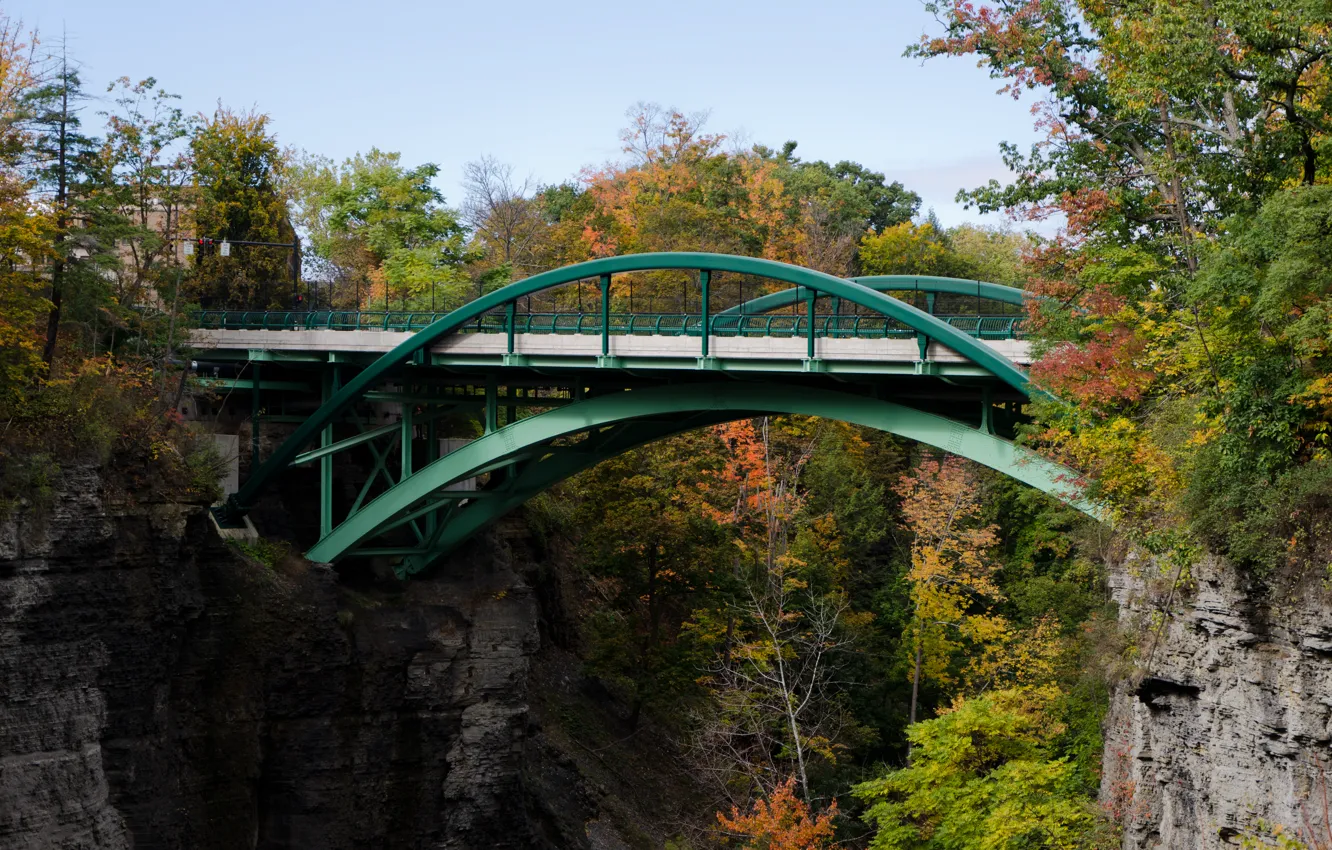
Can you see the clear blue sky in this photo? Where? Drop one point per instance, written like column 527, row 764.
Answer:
column 544, row 86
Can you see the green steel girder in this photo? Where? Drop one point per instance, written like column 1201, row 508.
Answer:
column 681, row 402
column 408, row 351
column 891, row 283
column 364, row 436
column 545, row 470
column 248, row 384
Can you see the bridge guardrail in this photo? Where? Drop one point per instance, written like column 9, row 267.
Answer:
column 835, row 326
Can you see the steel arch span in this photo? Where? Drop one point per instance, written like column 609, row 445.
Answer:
column 411, row 507
column 812, row 282
column 617, row 422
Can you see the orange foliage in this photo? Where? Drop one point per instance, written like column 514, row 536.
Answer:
column 781, row 822
column 757, row 481
column 684, row 192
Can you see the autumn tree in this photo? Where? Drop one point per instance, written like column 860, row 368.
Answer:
column 838, row 204
column 655, row 557
column 910, row 248
column 781, row 821
column 952, row 571
column 682, row 191
column 782, row 643
column 26, row 229
column 777, row 702
column 239, row 196
column 1136, row 134
column 1167, row 126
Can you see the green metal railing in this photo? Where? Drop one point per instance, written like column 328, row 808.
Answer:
column 836, row 326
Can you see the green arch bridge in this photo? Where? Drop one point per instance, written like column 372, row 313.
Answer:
column 554, row 391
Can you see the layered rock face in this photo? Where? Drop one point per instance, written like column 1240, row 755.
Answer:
column 156, row 690
column 1232, row 726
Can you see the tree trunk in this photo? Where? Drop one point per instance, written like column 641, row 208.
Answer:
column 53, row 317
column 62, row 221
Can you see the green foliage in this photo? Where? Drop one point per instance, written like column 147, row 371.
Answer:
column 238, row 174
column 267, row 552
column 375, row 220
column 656, row 558
column 145, row 175
column 856, row 198
column 981, row 777
column 1272, row 527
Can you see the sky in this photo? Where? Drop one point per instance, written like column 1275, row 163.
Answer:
column 545, row 86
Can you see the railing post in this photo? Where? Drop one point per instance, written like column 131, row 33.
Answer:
column 704, row 281
column 811, row 298
column 509, row 319
column 605, row 314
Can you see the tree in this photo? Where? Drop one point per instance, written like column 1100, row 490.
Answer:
column 239, row 196
column 996, row 255
column 952, row 574
column 504, row 219
column 837, row 205
column 778, row 710
column 1163, row 117
column 655, row 557
column 981, row 778
column 26, row 229
column 147, row 169
column 782, row 821
column 682, row 192
column 383, row 228
column 909, row 248
column 63, row 161
column 857, row 198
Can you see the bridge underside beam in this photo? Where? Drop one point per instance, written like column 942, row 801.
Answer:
column 528, row 459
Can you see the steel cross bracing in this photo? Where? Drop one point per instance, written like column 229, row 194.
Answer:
column 392, row 408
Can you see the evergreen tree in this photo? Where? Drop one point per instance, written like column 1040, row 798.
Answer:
column 67, row 169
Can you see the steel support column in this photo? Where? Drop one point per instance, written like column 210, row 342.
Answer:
column 254, row 419
column 492, row 404
column 704, row 281
column 405, row 441
column 605, row 315
column 810, row 300
column 326, row 464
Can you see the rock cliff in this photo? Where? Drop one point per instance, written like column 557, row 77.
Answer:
column 159, row 690
column 1229, row 723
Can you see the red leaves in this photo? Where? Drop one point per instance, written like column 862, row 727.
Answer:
column 1101, row 372
column 1022, row 41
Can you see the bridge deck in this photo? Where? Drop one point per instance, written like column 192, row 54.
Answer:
column 866, row 356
